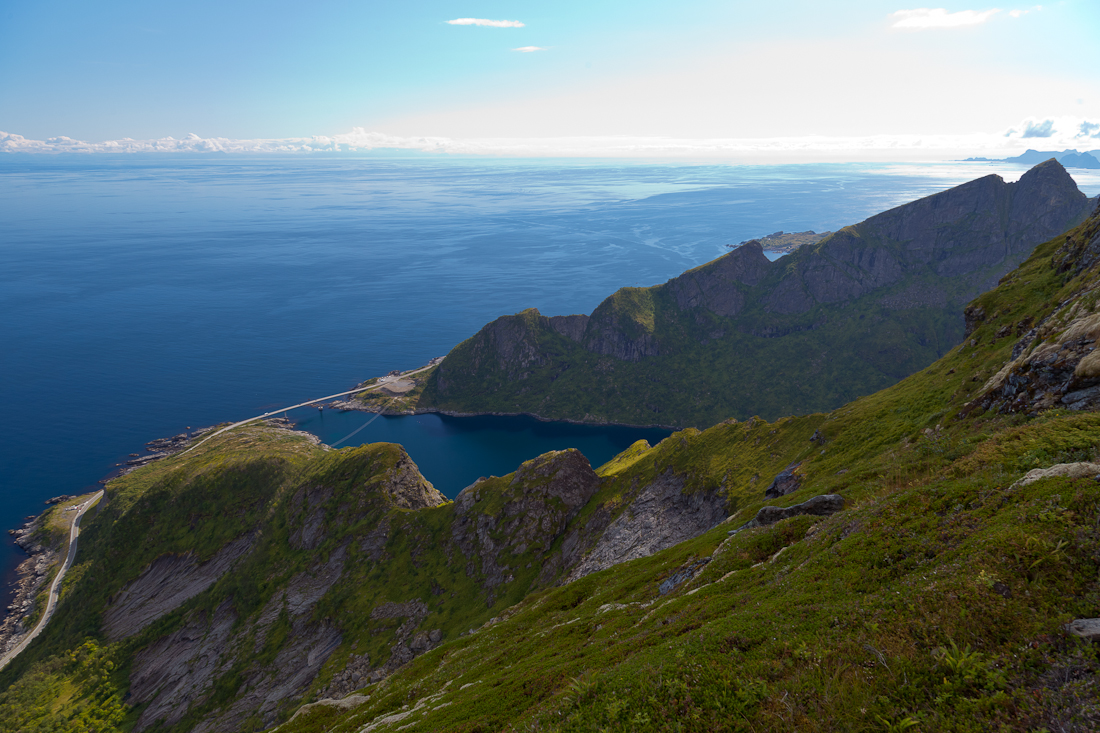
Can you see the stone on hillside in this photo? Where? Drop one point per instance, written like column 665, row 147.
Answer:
column 786, row 482
column 1086, row 628
column 820, row 506
column 1070, row 470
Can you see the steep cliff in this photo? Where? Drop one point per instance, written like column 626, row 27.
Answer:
column 741, row 335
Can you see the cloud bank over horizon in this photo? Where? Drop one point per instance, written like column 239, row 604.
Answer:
column 1047, row 133
column 485, row 22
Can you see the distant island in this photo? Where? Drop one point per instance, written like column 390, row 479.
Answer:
column 1068, row 158
column 785, row 242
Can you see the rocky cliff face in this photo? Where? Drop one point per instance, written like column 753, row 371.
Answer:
column 890, row 289
column 1055, row 362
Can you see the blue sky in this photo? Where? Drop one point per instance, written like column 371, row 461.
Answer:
column 693, row 71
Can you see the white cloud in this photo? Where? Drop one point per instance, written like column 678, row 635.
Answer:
column 486, row 22
column 794, row 148
column 529, row 49
column 1055, row 132
column 1021, row 13
column 1038, row 129
column 924, row 18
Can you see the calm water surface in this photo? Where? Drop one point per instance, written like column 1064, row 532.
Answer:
column 142, row 295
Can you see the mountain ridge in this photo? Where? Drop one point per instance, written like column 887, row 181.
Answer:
column 883, row 297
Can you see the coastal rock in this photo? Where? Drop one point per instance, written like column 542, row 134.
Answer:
column 864, row 285
column 716, row 286
column 572, row 327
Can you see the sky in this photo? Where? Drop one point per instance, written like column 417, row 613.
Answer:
column 783, row 79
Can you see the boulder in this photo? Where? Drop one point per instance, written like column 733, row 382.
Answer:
column 820, row 506
column 1071, row 470
column 1085, row 628
column 786, row 482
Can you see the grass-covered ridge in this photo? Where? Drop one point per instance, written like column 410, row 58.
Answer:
column 934, row 601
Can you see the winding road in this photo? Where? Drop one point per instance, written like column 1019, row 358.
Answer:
column 74, row 529
column 55, row 587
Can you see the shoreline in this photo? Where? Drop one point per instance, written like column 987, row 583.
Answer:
column 354, row 406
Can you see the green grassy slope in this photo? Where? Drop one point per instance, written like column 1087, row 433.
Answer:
column 402, row 571
column 935, row 601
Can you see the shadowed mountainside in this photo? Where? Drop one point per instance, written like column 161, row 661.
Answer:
column 741, row 335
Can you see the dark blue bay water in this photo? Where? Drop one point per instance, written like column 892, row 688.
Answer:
column 141, row 295
column 453, row 452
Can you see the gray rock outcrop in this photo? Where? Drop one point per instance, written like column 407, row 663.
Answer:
column 661, row 515
column 541, row 499
column 1085, row 628
column 166, row 584
column 785, row 482
column 819, row 506
column 1069, row 470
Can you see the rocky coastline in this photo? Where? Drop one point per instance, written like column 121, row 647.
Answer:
column 34, row 574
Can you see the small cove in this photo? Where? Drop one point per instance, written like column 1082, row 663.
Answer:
column 453, row 452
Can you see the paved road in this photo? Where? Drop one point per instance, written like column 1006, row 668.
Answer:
column 55, row 587
column 382, row 382
column 74, row 530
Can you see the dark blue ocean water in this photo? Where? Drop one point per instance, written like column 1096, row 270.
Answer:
column 141, row 295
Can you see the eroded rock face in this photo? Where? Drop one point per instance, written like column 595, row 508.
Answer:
column 543, row 496
column 1056, row 363
column 661, row 515
column 572, row 327
column 165, row 585
column 276, row 652
column 715, row 286
column 179, row 670
column 408, row 489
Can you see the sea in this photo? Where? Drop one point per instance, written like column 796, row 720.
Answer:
column 145, row 295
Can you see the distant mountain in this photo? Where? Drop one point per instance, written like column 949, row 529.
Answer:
column 1068, row 158
column 743, row 336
